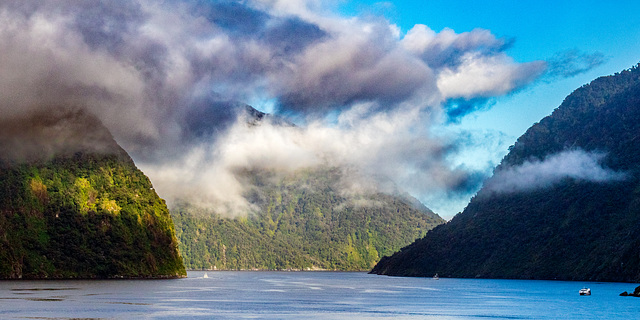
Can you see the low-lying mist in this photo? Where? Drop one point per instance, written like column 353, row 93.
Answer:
column 376, row 154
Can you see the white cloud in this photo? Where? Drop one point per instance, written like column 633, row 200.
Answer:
column 167, row 78
column 372, row 152
column 575, row 164
column 480, row 76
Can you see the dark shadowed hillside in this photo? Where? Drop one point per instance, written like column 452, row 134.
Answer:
column 563, row 204
column 74, row 205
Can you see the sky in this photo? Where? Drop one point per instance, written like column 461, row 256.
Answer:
column 423, row 97
column 539, row 30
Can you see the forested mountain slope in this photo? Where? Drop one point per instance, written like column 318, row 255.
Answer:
column 303, row 222
column 74, row 205
column 563, row 204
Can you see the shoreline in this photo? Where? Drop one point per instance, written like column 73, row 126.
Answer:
column 116, row 277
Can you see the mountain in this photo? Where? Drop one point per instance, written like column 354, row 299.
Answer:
column 74, row 205
column 563, row 204
column 303, row 221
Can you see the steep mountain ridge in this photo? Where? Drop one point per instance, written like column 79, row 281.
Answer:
column 573, row 228
column 74, row 205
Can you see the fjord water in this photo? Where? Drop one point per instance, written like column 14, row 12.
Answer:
column 313, row 295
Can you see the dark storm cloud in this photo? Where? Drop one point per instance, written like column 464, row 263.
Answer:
column 288, row 34
column 170, row 80
column 125, row 59
column 207, row 117
column 291, row 35
column 103, row 24
column 352, row 67
column 181, row 53
column 234, row 17
column 106, row 25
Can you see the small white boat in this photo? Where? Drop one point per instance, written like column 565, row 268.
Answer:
column 205, row 275
column 585, row 292
column 436, row 277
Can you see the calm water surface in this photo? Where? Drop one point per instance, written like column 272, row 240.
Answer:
column 313, row 295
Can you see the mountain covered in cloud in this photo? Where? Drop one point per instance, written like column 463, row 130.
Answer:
column 563, row 204
column 324, row 217
column 306, row 220
column 74, row 205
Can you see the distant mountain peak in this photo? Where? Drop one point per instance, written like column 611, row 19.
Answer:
column 256, row 117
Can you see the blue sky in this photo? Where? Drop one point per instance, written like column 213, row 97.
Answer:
column 539, row 29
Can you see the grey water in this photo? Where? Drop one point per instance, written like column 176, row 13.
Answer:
column 313, row 295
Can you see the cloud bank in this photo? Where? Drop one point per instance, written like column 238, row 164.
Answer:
column 377, row 153
column 171, row 79
column 574, row 164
